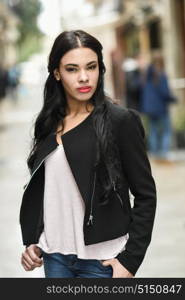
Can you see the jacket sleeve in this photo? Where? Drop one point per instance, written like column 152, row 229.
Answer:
column 137, row 170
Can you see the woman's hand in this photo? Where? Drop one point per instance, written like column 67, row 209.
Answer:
column 30, row 258
column 119, row 271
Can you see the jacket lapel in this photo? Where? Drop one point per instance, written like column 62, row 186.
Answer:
column 79, row 146
column 46, row 148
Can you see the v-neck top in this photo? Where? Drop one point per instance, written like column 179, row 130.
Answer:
column 64, row 211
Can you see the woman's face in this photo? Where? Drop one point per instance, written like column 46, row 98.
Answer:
column 79, row 72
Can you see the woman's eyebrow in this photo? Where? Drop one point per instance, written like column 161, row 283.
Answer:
column 91, row 62
column 75, row 65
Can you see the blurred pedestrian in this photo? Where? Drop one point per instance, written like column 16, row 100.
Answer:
column 132, row 82
column 3, row 82
column 156, row 98
column 13, row 82
column 75, row 210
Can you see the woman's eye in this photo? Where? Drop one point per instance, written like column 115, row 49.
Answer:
column 92, row 67
column 71, row 69
column 75, row 70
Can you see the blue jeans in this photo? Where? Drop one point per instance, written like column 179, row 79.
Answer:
column 159, row 138
column 57, row 265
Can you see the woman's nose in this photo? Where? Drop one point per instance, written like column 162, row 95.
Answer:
column 83, row 77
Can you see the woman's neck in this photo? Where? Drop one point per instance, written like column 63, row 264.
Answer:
column 74, row 109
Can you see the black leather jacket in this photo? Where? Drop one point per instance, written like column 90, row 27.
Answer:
column 101, row 223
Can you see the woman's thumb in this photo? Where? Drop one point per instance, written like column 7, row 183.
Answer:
column 106, row 263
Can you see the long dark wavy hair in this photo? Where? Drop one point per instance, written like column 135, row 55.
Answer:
column 54, row 109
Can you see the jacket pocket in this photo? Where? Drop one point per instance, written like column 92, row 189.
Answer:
column 123, row 197
column 117, row 193
column 119, row 197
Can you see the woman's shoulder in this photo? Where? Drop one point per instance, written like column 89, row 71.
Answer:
column 125, row 118
column 120, row 113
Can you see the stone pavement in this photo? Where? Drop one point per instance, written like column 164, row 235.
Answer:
column 165, row 256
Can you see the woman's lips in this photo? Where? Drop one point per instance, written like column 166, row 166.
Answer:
column 85, row 89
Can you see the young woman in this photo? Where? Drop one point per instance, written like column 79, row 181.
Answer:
column 76, row 216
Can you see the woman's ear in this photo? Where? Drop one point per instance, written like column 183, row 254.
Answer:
column 57, row 74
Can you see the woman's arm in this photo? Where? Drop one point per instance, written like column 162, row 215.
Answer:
column 137, row 170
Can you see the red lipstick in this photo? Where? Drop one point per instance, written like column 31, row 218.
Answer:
column 84, row 89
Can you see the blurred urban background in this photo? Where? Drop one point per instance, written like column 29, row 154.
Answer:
column 144, row 52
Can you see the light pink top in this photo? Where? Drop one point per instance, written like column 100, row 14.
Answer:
column 64, row 211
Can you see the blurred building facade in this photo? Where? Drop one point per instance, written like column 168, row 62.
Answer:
column 8, row 36
column 129, row 27
column 146, row 27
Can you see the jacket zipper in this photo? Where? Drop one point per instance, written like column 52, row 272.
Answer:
column 36, row 171
column 90, row 221
column 118, row 195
